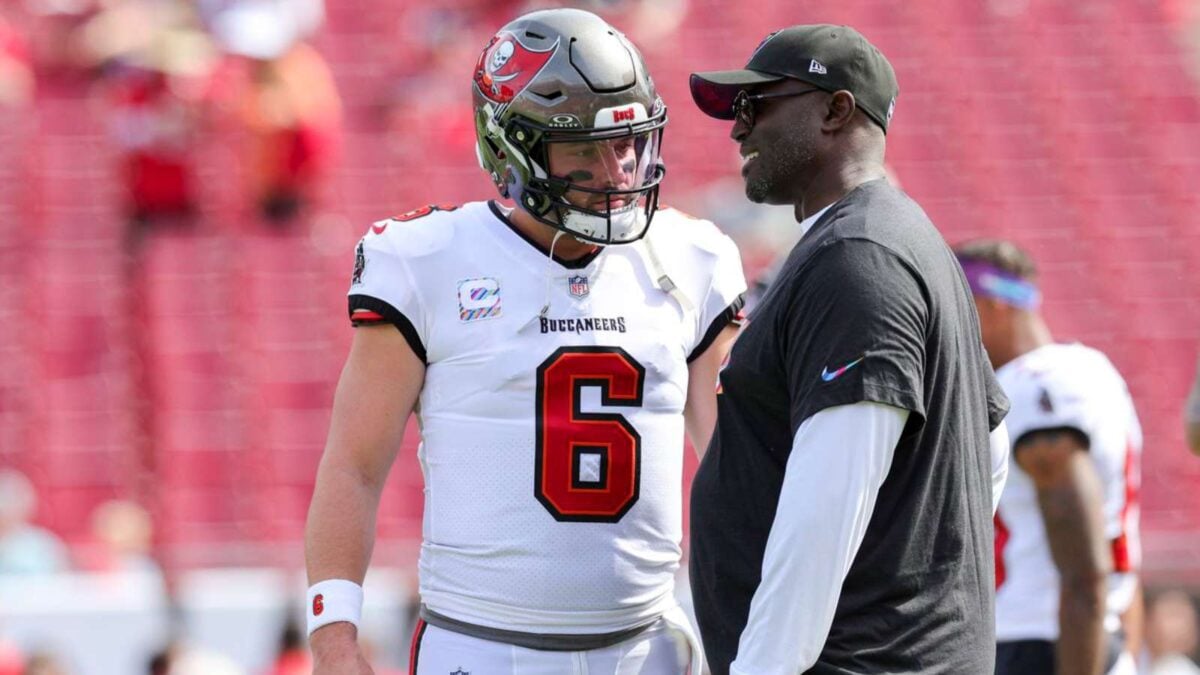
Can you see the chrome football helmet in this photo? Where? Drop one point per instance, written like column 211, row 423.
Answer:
column 569, row 126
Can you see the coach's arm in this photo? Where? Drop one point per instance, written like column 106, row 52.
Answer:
column 376, row 394
column 1071, row 499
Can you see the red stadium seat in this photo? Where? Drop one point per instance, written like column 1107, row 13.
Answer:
column 1071, row 127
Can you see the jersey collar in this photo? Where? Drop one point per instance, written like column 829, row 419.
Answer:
column 576, row 264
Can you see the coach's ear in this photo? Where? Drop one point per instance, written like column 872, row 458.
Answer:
column 839, row 111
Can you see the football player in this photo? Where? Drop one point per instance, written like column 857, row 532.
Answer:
column 1067, row 546
column 555, row 352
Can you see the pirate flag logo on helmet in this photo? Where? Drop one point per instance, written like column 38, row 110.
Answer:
column 506, row 67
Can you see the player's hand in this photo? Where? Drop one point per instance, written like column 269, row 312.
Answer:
column 336, row 652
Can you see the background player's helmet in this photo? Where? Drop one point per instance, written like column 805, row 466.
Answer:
column 566, row 76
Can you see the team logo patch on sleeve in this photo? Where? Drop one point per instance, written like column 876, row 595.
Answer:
column 1045, row 402
column 360, row 264
column 578, row 285
column 478, row 299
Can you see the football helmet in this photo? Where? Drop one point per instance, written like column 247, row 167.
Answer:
column 569, row 126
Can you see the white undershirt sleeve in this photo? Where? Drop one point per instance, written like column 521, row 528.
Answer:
column 840, row 458
column 999, row 446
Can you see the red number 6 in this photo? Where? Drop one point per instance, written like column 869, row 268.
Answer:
column 588, row 465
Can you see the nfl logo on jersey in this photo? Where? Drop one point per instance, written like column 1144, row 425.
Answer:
column 578, row 285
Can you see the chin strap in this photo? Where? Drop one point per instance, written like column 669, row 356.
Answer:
column 550, row 272
column 549, row 278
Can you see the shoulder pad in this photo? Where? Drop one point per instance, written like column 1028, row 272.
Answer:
column 683, row 228
column 1067, row 384
column 418, row 232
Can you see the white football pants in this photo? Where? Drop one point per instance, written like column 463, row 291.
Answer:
column 667, row 647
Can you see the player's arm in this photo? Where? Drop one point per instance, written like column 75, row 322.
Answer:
column 721, row 310
column 1071, row 500
column 998, row 445
column 1133, row 621
column 840, row 458
column 375, row 395
column 700, row 411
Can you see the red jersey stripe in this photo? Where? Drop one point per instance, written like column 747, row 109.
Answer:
column 415, row 650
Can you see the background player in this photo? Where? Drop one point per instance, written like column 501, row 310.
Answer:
column 1067, row 537
column 553, row 377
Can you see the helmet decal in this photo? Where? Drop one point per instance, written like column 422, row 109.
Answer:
column 630, row 113
column 564, row 121
column 506, row 67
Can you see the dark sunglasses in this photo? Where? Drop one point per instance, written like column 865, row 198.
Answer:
column 743, row 103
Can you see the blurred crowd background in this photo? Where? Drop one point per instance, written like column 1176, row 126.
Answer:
column 182, row 183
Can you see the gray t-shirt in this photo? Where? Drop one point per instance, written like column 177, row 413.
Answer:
column 870, row 306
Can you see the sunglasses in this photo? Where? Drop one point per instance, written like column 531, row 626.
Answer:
column 743, row 103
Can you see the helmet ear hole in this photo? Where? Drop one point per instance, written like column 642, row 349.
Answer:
column 496, row 150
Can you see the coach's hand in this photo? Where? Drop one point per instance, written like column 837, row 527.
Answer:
column 336, row 652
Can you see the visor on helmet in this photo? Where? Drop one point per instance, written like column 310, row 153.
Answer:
column 599, row 185
column 593, row 169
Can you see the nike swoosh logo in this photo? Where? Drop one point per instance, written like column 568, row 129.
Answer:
column 827, row 376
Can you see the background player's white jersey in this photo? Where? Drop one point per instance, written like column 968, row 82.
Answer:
column 551, row 442
column 1057, row 386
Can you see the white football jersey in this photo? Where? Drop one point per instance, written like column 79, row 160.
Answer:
column 552, row 441
column 1065, row 386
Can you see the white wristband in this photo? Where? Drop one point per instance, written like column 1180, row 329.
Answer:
column 334, row 600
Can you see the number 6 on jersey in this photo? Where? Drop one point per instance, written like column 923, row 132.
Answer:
column 588, row 465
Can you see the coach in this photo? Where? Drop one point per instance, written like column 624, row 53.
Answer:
column 842, row 517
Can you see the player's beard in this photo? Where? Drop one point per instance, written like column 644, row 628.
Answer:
column 772, row 180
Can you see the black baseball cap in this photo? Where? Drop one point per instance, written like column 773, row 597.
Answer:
column 826, row 56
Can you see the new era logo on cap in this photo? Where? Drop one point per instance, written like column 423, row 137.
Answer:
column 817, row 67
